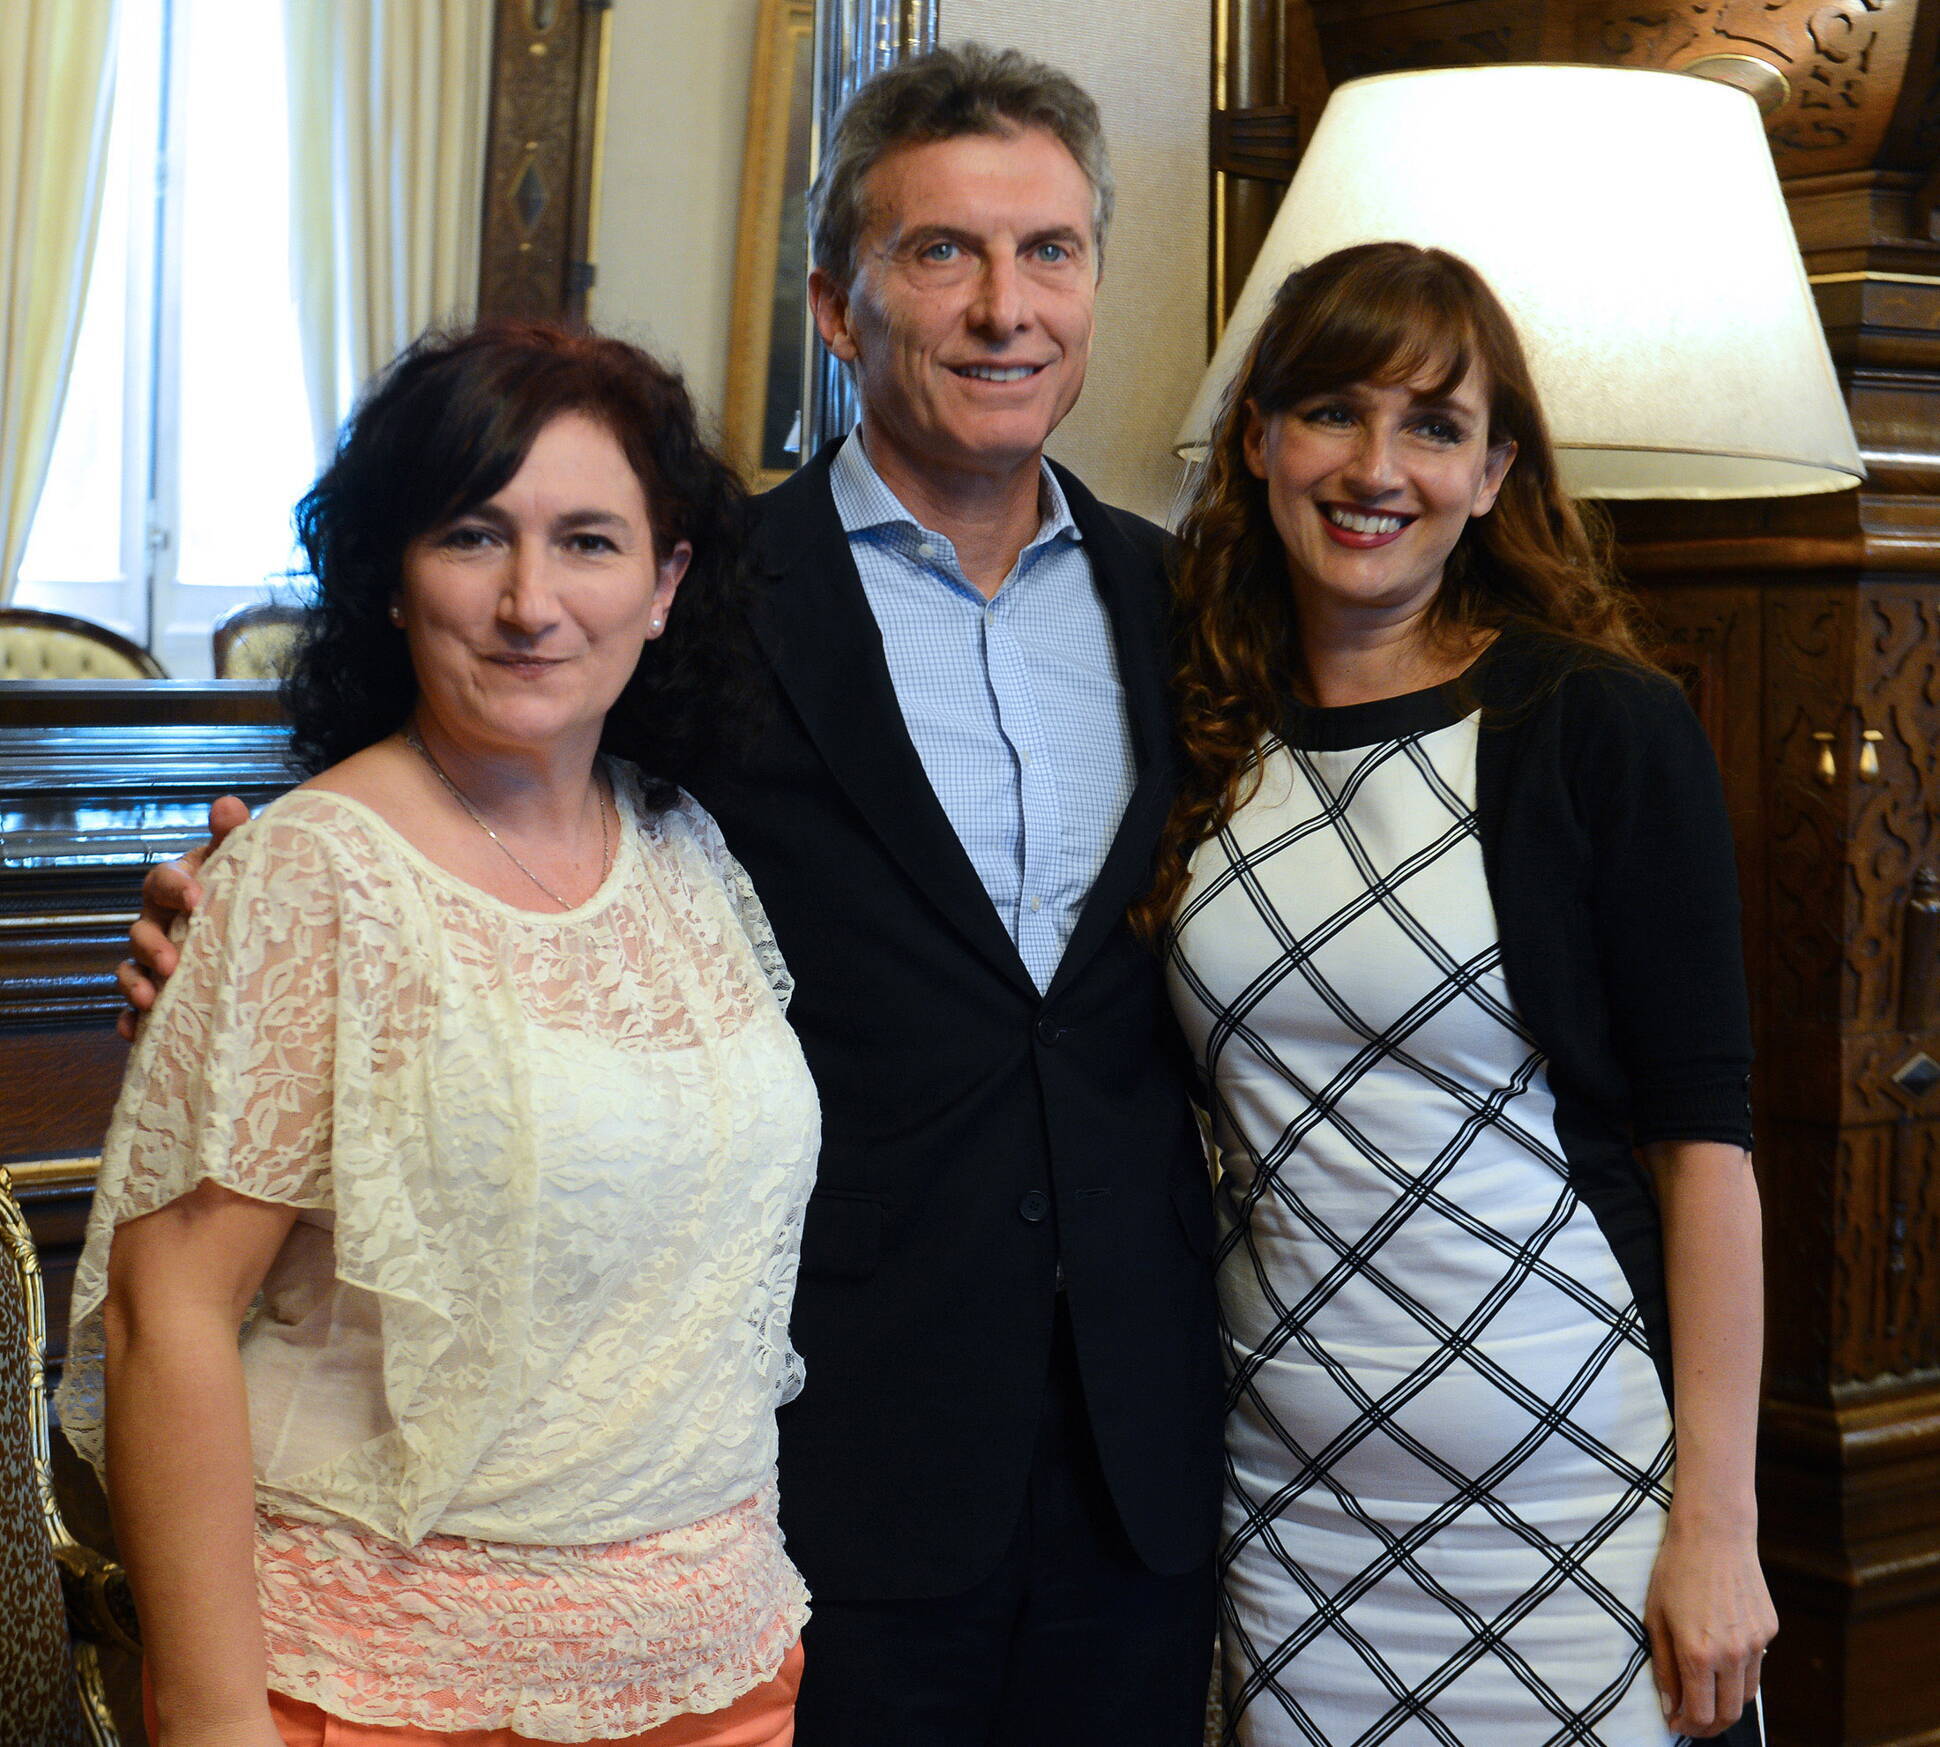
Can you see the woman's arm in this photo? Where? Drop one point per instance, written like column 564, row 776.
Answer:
column 1709, row 1615
column 180, row 1480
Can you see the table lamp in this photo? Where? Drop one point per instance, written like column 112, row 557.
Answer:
column 1633, row 225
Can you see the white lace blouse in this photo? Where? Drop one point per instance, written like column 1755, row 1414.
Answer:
column 549, row 1173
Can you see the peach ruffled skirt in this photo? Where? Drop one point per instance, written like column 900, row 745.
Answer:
column 764, row 1717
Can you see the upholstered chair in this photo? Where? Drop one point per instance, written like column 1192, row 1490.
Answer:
column 256, row 641
column 38, row 645
column 58, row 1599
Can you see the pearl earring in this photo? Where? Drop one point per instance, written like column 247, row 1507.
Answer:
column 397, row 614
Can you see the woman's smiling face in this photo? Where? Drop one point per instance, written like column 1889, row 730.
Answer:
column 1371, row 485
column 526, row 615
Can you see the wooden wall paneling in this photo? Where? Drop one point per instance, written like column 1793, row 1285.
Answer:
column 542, row 158
column 1847, row 1153
column 1849, row 1157
column 1712, row 637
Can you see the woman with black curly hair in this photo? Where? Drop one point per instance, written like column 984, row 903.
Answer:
column 1452, row 927
column 473, row 1105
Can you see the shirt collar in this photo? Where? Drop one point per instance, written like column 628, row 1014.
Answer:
column 863, row 502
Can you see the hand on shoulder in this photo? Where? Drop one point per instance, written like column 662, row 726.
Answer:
column 170, row 890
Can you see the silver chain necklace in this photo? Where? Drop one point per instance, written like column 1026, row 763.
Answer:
column 477, row 818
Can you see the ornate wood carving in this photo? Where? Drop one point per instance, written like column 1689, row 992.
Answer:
column 1858, row 73
column 542, row 158
column 1841, row 60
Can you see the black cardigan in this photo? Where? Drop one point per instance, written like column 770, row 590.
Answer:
column 1609, row 865
column 1609, row 860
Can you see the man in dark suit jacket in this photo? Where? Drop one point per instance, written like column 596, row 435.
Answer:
column 1001, row 1479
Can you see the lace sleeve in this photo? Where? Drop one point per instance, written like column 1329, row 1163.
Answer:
column 230, row 1081
column 741, row 894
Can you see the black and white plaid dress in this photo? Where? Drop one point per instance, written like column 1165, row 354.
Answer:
column 1448, row 1451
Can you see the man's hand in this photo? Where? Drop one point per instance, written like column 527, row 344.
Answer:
column 170, row 890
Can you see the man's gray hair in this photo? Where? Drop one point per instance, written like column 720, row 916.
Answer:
column 943, row 95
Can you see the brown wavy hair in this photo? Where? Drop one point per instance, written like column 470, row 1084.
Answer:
column 1384, row 313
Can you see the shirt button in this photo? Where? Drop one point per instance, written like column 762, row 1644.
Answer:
column 926, row 550
column 1034, row 1206
column 1036, row 905
column 1024, row 758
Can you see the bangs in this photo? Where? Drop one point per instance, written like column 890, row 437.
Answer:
column 480, row 430
column 1435, row 365
column 473, row 420
column 1407, row 331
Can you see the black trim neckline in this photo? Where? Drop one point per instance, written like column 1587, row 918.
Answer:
column 1348, row 727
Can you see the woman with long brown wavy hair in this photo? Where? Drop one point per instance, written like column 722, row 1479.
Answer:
column 1451, row 924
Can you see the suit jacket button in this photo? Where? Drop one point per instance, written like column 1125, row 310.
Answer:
column 1049, row 1031
column 1035, row 1205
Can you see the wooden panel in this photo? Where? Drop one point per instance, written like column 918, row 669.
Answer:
column 1848, row 1161
column 1854, row 1660
column 1712, row 638
column 542, row 159
column 1359, row 38
column 1858, row 73
column 58, row 1088
column 1263, row 143
column 1268, row 89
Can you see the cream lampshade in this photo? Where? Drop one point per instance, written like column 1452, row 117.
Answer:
column 1632, row 223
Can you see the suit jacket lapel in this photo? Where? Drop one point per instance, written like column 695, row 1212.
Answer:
column 1136, row 604
column 814, row 624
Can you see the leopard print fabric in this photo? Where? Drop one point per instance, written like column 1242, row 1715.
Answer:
column 38, row 1706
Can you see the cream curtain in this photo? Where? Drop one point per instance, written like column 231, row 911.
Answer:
column 56, row 89
column 388, row 104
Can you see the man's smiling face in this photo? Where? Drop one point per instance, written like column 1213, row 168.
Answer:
column 968, row 320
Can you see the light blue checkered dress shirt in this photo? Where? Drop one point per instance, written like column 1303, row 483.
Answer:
column 1013, row 704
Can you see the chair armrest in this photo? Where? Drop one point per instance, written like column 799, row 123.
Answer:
column 100, row 1605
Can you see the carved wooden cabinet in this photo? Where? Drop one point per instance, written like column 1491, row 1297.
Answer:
column 1820, row 683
